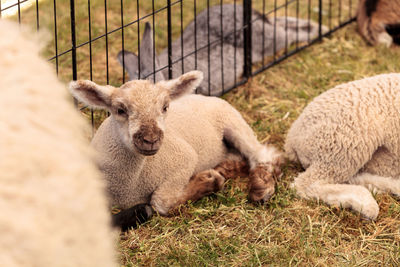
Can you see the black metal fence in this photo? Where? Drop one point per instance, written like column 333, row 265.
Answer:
column 229, row 40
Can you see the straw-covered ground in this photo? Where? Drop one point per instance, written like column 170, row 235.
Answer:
column 225, row 229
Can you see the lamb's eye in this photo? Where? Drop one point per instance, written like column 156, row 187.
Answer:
column 121, row 111
column 165, row 108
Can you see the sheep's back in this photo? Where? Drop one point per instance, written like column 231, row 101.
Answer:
column 362, row 113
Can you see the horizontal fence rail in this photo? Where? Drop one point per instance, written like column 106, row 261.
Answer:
column 229, row 40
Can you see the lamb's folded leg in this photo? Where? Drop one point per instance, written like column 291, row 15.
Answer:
column 382, row 172
column 264, row 160
column 204, row 183
column 209, row 181
column 317, row 184
column 378, row 184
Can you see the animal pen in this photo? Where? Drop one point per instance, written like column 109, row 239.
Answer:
column 230, row 41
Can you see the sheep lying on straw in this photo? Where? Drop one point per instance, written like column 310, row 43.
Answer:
column 348, row 139
column 164, row 146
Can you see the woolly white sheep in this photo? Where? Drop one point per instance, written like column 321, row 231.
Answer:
column 348, row 140
column 198, row 134
column 53, row 208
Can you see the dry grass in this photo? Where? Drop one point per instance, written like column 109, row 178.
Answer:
column 225, row 229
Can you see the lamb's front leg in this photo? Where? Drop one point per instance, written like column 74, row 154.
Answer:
column 172, row 194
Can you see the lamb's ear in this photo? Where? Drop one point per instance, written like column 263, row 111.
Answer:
column 91, row 94
column 185, row 84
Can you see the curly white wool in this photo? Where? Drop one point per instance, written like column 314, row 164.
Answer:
column 51, row 195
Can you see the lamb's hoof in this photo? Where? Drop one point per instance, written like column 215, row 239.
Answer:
column 160, row 205
column 132, row 217
column 219, row 181
column 207, row 182
column 262, row 184
column 385, row 39
column 371, row 211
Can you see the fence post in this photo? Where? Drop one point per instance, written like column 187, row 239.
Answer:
column 320, row 20
column 73, row 40
column 169, row 40
column 247, row 38
column 123, row 41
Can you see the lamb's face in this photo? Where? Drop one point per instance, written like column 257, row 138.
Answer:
column 140, row 108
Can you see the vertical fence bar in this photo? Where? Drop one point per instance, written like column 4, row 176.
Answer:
column 90, row 62
column 55, row 34
column 274, row 46
column 123, row 41
column 195, row 35
column 208, row 48
column 19, row 12
column 73, row 42
column 37, row 15
column 195, row 38
column 286, row 28
column 320, row 21
column 222, row 47
column 138, row 38
column 183, row 67
column 106, row 36
column 234, row 42
column 308, row 18
column 169, row 39
column 247, row 38
column 154, row 43
column 90, row 42
column 297, row 24
column 263, row 33
column 330, row 15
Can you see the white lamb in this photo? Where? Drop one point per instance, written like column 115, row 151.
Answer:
column 198, row 134
column 53, row 208
column 348, row 139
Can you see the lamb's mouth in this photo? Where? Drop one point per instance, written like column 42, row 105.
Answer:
column 147, row 152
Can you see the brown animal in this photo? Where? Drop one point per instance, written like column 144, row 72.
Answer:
column 379, row 21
